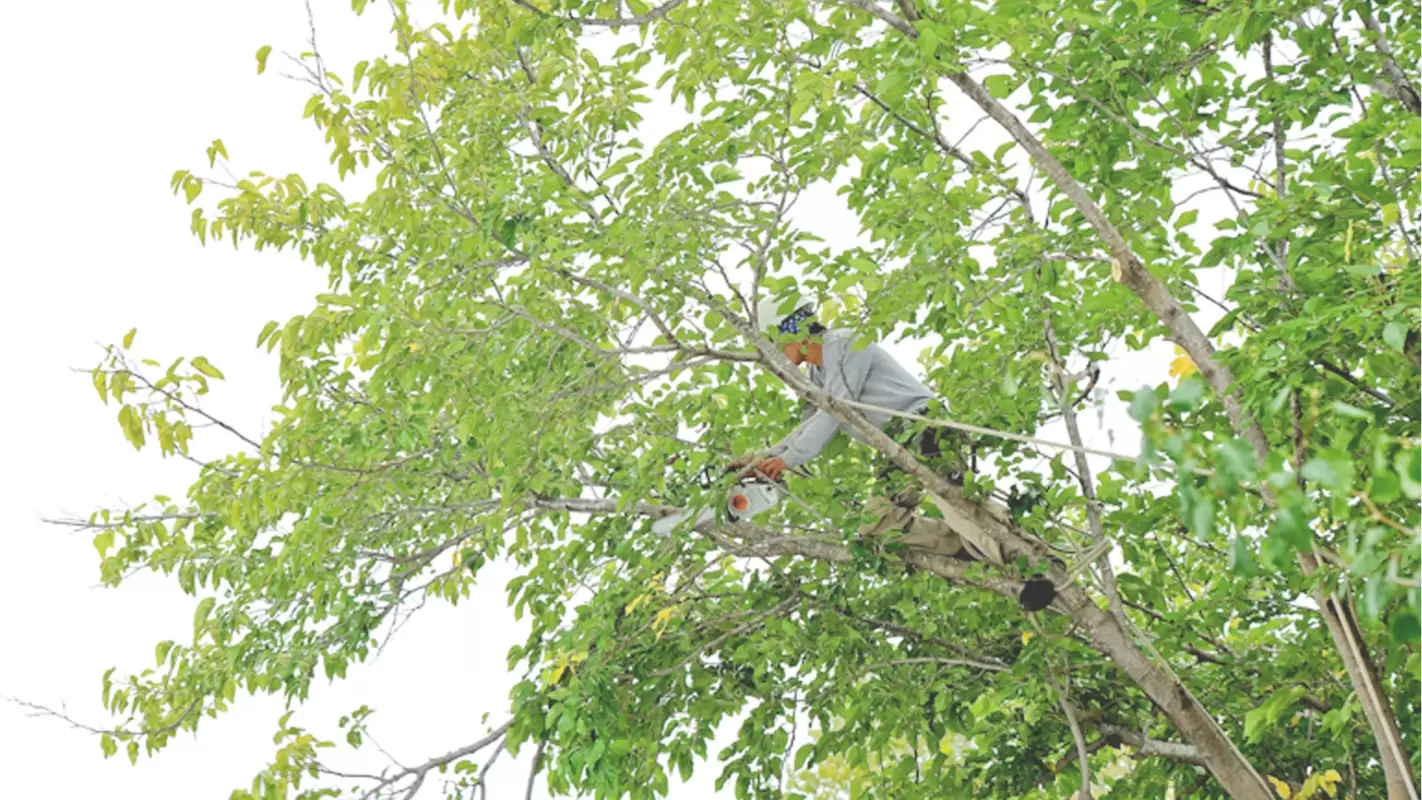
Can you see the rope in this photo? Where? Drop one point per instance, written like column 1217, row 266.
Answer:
column 978, row 429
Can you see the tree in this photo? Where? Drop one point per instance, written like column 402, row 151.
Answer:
column 538, row 335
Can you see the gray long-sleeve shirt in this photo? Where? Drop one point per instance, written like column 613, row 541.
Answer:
column 869, row 375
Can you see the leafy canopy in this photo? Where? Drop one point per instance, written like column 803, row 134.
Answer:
column 537, row 336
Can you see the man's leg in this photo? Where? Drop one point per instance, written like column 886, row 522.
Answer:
column 917, row 532
column 895, row 513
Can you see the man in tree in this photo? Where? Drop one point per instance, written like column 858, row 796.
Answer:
column 869, row 375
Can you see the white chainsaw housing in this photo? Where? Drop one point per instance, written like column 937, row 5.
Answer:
column 749, row 499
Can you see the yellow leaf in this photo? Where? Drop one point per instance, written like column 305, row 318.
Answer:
column 1183, row 366
column 945, row 746
column 1280, row 788
column 1329, row 781
column 659, row 624
column 558, row 670
column 632, row 606
column 1027, row 637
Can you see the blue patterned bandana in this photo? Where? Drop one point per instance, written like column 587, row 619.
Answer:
column 791, row 324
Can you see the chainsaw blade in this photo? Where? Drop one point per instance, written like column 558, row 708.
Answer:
column 666, row 525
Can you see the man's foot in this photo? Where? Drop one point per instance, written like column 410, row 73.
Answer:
column 1037, row 593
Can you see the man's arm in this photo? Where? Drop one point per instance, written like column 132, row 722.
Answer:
column 781, row 446
column 846, row 369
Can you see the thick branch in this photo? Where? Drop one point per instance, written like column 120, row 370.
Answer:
column 1404, row 91
column 1145, row 747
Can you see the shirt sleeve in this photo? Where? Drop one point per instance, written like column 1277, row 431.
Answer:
column 779, row 447
column 845, row 371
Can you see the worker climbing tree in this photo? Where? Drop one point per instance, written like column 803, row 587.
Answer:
column 869, row 377
column 1115, row 306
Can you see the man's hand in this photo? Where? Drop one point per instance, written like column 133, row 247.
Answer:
column 771, row 468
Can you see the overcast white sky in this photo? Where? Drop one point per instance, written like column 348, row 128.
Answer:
column 104, row 102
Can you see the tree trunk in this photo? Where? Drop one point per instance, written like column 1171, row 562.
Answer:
column 1220, row 756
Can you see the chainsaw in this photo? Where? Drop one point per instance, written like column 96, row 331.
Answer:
column 749, row 498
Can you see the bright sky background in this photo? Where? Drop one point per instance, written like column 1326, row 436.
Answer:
column 104, row 103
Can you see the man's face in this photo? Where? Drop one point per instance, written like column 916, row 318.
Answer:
column 796, row 351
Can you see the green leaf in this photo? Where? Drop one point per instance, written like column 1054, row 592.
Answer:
column 132, row 425
column 1144, row 403
column 1406, row 627
column 1187, row 395
column 1008, row 384
column 262, row 53
column 1241, row 559
column 128, row 338
column 1395, row 335
column 1351, row 411
column 721, row 173
column 999, row 86
column 1409, row 472
column 1385, row 488
column 201, row 365
column 1202, row 516
column 1255, row 723
column 204, row 609
column 103, row 540
column 893, row 86
column 1291, row 527
column 928, row 43
column 1320, row 471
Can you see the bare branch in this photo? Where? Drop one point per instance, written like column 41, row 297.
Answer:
column 948, row 662
column 1083, row 474
column 418, row 773
column 533, row 770
column 38, row 710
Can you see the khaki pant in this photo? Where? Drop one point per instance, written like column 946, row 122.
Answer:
column 934, row 535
